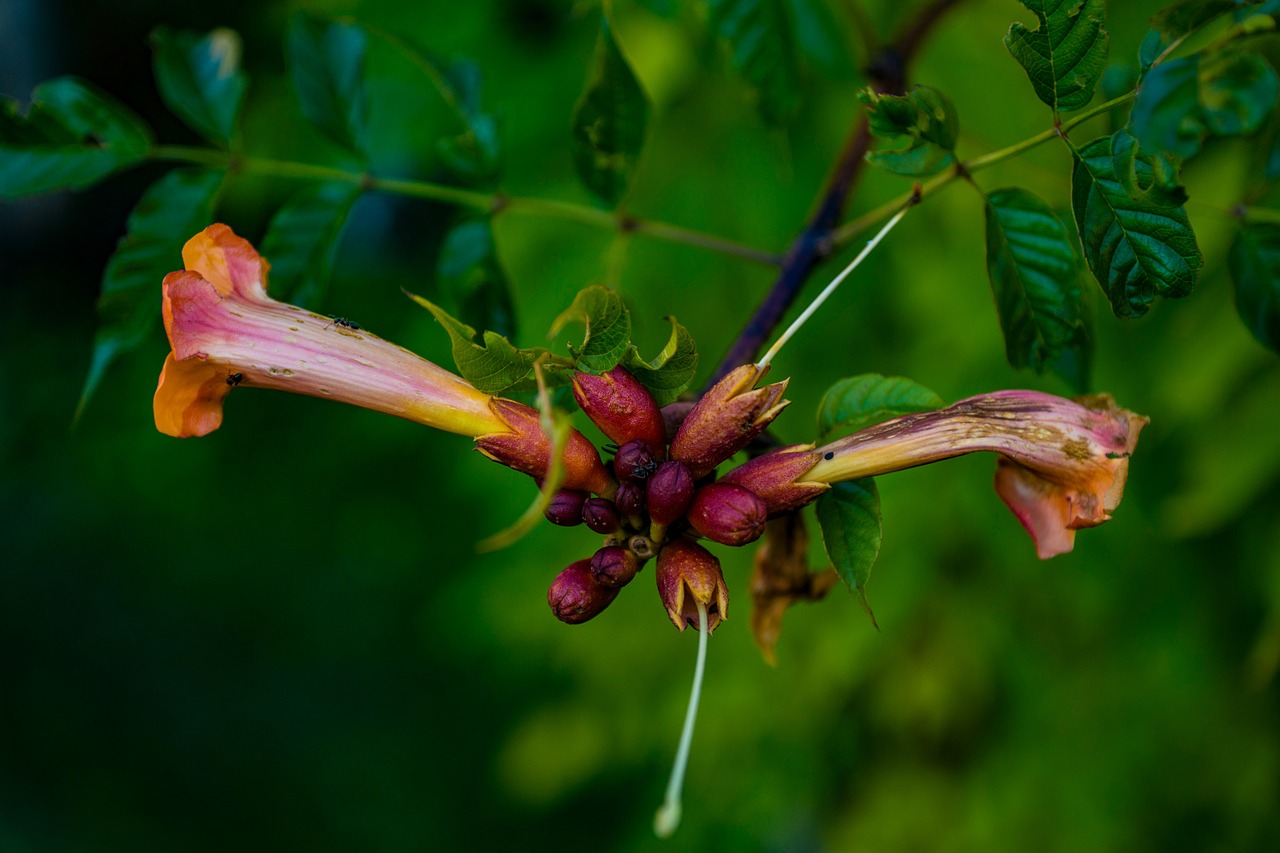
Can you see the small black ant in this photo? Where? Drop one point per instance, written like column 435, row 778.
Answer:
column 345, row 323
column 234, row 379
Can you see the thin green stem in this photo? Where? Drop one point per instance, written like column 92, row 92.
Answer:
column 830, row 288
column 552, row 208
column 854, row 227
column 667, row 820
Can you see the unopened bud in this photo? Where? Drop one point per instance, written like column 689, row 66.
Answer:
column 630, row 499
column 633, row 461
column 726, row 419
column 576, row 597
column 600, row 515
column 526, row 448
column 728, row 514
column 689, row 575
column 565, row 508
column 622, row 407
column 772, row 477
column 614, row 566
column 668, row 492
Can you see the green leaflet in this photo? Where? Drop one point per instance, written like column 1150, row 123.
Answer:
column 494, row 365
column 608, row 328
column 1066, row 54
column 1035, row 278
column 1178, row 21
column 1254, row 262
column 474, row 154
column 326, row 63
column 852, row 530
column 170, row 212
column 762, row 38
column 200, row 79
column 73, row 136
column 302, row 241
column 609, row 122
column 471, row 275
column 669, row 373
column 921, row 128
column 857, row 402
column 1182, row 101
column 1137, row 247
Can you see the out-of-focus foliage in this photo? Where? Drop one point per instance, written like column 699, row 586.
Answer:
column 281, row 636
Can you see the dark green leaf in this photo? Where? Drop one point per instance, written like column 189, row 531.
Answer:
column 849, row 516
column 469, row 272
column 819, row 38
column 921, row 128
column 170, row 212
column 1137, row 248
column 1183, row 100
column 1066, row 54
column 72, row 136
column 302, row 241
column 1237, row 92
column 493, row 365
column 475, row 154
column 669, row 373
column 200, row 79
column 858, row 402
column 1255, row 266
column 608, row 325
column 326, row 62
column 1180, row 20
column 609, row 122
column 762, row 38
column 1035, row 277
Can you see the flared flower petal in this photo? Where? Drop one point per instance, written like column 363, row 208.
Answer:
column 1064, row 462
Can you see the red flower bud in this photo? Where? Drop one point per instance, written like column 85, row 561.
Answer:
column 633, row 461
column 668, row 492
column 575, row 596
column 725, row 420
column 630, row 499
column 622, row 408
column 772, row 477
column 600, row 515
column 689, row 575
column 728, row 514
column 565, row 508
column 526, row 448
column 614, row 566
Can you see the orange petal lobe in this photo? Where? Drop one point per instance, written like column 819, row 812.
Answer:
column 228, row 262
column 188, row 400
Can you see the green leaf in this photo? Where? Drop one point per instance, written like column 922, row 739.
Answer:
column 1182, row 101
column 73, row 136
column 608, row 325
column 170, row 212
column 762, row 38
column 857, row 402
column 1066, row 54
column 921, row 127
column 609, row 122
column 1137, row 248
column 493, row 365
column 199, row 78
column 852, row 530
column 475, row 154
column 820, row 39
column 1178, row 21
column 1254, row 262
column 669, row 373
column 1035, row 277
column 302, row 241
column 470, row 274
column 326, row 62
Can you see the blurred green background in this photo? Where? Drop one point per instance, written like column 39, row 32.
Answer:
column 281, row 636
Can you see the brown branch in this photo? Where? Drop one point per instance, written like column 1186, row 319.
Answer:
column 887, row 72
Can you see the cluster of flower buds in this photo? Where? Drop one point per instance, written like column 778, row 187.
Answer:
column 662, row 495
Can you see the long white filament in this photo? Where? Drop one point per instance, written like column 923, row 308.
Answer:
column 830, row 288
column 667, row 820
